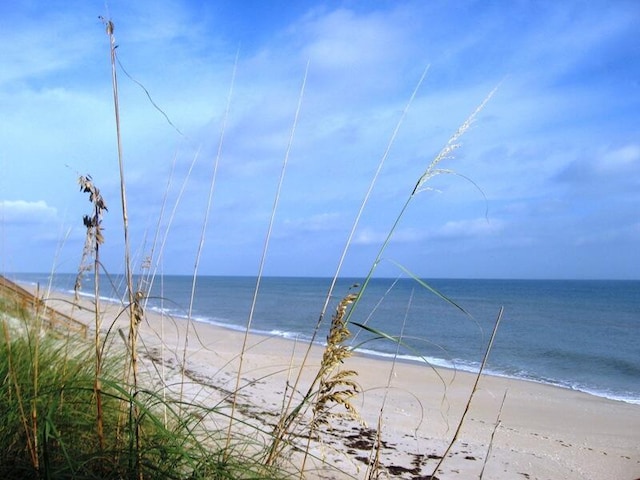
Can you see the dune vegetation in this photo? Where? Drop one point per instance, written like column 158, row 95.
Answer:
column 81, row 407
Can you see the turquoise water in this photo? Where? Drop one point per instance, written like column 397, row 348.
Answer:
column 581, row 335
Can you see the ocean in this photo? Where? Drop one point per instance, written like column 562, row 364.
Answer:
column 577, row 334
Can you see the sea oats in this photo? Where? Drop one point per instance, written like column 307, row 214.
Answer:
column 93, row 240
column 93, row 223
column 336, row 386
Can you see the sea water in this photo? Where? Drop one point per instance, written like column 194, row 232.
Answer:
column 577, row 334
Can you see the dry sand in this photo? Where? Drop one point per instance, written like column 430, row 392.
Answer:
column 540, row 432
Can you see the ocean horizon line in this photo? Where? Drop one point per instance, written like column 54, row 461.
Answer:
column 345, row 277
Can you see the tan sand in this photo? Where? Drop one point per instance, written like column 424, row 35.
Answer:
column 541, row 432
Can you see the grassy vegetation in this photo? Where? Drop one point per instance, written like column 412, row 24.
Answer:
column 48, row 417
column 70, row 408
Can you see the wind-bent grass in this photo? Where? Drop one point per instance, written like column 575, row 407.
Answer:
column 263, row 258
column 289, row 415
column 53, row 395
column 212, row 185
column 285, row 417
column 140, row 445
column 432, row 170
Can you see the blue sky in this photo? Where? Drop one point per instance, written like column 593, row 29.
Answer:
column 556, row 152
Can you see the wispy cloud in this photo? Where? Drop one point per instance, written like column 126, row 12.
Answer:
column 617, row 168
column 450, row 231
column 21, row 212
column 477, row 227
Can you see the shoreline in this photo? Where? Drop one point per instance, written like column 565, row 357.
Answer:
column 540, row 431
column 437, row 363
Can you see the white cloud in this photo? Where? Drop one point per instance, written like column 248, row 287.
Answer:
column 371, row 236
column 617, row 234
column 21, row 212
column 614, row 170
column 478, row 227
column 342, row 39
column 620, row 160
column 451, row 230
column 315, row 223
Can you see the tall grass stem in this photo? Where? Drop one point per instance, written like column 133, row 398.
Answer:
column 431, row 171
column 280, row 429
column 473, row 391
column 212, row 185
column 265, row 248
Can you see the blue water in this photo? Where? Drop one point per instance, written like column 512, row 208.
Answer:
column 582, row 335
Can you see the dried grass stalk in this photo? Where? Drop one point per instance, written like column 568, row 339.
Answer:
column 93, row 240
column 93, row 223
column 336, row 387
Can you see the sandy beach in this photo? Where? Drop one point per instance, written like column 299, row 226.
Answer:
column 513, row 430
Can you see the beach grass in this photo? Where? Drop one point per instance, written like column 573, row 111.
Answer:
column 49, row 408
column 107, row 402
column 82, row 410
